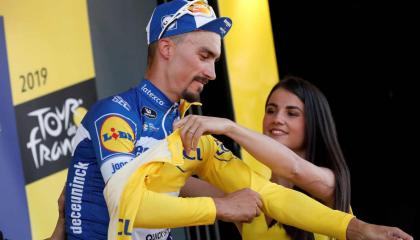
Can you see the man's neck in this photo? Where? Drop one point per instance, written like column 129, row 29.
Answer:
column 160, row 81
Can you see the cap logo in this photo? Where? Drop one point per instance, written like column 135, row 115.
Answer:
column 227, row 23
column 200, row 8
column 165, row 21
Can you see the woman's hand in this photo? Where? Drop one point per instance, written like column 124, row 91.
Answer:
column 194, row 126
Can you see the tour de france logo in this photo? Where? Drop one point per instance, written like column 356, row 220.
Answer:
column 117, row 135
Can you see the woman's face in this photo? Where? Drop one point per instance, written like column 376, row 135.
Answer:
column 284, row 120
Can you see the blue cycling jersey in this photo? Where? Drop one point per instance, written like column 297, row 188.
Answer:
column 112, row 133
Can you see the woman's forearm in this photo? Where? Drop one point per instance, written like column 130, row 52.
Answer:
column 317, row 181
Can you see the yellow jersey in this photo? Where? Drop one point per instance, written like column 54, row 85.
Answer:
column 137, row 195
column 258, row 228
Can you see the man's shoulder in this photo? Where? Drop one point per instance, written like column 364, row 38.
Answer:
column 123, row 104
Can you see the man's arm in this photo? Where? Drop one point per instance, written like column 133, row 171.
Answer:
column 131, row 204
column 195, row 187
column 242, row 205
column 60, row 228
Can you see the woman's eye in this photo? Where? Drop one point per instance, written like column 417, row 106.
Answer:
column 269, row 111
column 293, row 114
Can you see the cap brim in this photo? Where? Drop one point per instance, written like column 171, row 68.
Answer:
column 220, row 26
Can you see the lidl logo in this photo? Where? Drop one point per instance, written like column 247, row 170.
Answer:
column 117, row 135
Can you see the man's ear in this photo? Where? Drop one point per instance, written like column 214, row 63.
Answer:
column 165, row 47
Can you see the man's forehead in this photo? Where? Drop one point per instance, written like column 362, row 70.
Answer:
column 200, row 34
column 205, row 40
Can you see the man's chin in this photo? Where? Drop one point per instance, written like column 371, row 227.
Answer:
column 191, row 97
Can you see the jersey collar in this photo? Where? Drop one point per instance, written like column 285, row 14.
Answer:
column 147, row 88
column 150, row 91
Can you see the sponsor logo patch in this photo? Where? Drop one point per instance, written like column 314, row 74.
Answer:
column 122, row 102
column 165, row 20
column 151, row 95
column 222, row 153
column 148, row 112
column 116, row 135
column 150, row 127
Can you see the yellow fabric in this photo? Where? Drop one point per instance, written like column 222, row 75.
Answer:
column 258, row 228
column 258, row 167
column 132, row 204
column 229, row 173
column 184, row 106
column 142, row 197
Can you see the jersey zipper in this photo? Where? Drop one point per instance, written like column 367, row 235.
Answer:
column 174, row 106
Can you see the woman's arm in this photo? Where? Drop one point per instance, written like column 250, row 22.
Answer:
column 317, row 181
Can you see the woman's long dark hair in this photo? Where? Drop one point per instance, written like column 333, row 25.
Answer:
column 321, row 143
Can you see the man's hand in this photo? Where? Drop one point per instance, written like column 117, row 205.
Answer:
column 60, row 202
column 60, row 230
column 359, row 230
column 240, row 206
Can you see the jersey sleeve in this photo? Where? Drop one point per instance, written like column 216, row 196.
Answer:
column 148, row 209
column 112, row 130
column 131, row 204
column 160, row 210
column 287, row 206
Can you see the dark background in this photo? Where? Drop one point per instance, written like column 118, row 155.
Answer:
column 362, row 56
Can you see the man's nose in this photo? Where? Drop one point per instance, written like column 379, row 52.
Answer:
column 210, row 72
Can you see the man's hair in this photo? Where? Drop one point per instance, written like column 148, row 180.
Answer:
column 151, row 50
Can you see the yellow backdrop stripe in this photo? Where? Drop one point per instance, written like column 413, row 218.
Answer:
column 251, row 60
